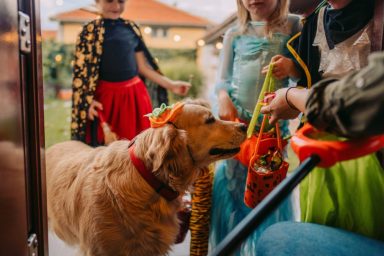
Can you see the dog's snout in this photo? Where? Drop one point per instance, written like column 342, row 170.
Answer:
column 243, row 127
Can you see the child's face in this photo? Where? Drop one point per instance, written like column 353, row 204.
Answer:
column 111, row 9
column 260, row 9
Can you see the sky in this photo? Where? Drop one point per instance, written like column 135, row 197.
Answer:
column 214, row 10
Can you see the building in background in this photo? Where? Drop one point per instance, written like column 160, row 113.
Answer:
column 163, row 26
column 208, row 50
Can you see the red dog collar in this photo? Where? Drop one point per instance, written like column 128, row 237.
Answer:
column 163, row 189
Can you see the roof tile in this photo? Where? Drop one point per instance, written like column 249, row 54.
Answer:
column 142, row 12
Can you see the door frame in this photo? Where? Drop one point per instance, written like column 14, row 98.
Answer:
column 31, row 74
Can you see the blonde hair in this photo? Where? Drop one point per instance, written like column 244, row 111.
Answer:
column 277, row 19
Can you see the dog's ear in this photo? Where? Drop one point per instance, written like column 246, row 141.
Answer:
column 167, row 142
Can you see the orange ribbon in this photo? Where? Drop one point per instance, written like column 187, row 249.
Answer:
column 163, row 115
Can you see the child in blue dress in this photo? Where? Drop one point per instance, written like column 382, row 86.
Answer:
column 263, row 30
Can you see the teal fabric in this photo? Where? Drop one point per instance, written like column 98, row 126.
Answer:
column 349, row 195
column 251, row 54
column 243, row 56
column 228, row 207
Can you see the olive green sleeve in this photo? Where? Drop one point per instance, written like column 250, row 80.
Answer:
column 353, row 106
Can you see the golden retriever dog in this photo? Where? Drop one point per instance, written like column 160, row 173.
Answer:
column 98, row 200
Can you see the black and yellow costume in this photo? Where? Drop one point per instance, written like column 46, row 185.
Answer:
column 86, row 71
column 338, row 26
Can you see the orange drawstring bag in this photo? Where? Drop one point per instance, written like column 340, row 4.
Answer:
column 266, row 168
column 262, row 153
column 247, row 148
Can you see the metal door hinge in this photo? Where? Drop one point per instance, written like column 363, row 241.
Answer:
column 25, row 32
column 32, row 245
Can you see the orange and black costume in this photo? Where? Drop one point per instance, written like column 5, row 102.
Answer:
column 86, row 73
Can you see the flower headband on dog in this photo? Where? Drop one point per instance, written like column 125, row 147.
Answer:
column 164, row 114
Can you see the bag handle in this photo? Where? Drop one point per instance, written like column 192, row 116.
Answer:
column 256, row 152
column 268, row 85
column 278, row 137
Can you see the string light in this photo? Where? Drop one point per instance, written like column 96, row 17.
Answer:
column 201, row 42
column 147, row 30
column 219, row 45
column 176, row 38
column 58, row 58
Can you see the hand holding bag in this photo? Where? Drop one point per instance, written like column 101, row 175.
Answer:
column 247, row 148
column 262, row 153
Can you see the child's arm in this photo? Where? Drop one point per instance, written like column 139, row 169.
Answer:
column 177, row 87
column 227, row 110
column 287, row 103
column 92, row 110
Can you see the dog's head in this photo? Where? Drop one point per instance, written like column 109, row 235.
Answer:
column 209, row 139
column 193, row 140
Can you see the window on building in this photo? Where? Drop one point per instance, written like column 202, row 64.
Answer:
column 159, row 32
column 165, row 32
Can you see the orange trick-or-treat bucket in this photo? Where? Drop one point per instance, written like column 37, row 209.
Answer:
column 266, row 168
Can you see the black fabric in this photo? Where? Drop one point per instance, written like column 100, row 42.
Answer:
column 341, row 24
column 93, row 130
column 86, row 73
column 307, row 52
column 118, row 62
column 304, row 44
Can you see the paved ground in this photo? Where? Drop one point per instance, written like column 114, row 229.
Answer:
column 59, row 248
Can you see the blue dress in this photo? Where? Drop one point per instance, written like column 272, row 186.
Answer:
column 243, row 56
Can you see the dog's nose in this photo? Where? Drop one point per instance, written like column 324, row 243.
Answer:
column 243, row 127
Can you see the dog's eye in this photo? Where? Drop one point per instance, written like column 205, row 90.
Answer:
column 210, row 120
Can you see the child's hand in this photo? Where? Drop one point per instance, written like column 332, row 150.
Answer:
column 278, row 107
column 227, row 110
column 92, row 111
column 283, row 67
column 180, row 87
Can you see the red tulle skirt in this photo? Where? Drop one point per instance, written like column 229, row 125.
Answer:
column 124, row 105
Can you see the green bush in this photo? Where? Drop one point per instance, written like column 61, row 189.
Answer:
column 180, row 65
column 57, row 68
column 169, row 54
column 175, row 64
column 185, row 70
